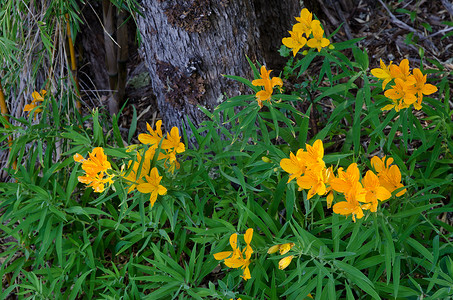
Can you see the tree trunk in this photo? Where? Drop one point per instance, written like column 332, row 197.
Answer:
column 189, row 44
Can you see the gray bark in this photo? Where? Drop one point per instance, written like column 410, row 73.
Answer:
column 189, row 44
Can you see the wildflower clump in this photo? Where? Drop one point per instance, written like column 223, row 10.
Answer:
column 407, row 89
column 96, row 168
column 268, row 84
column 314, row 34
column 238, row 258
column 34, row 105
column 359, row 194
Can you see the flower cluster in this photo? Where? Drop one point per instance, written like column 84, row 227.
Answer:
column 237, row 258
column 314, row 34
column 147, row 179
column 309, row 169
column 37, row 97
column 95, row 167
column 283, row 248
column 407, row 89
column 268, row 84
column 171, row 145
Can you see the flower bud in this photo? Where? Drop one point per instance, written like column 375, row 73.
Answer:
column 284, row 262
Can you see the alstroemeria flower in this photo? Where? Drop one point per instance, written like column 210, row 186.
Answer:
column 37, row 97
column 237, row 258
column 173, row 140
column 136, row 178
column 374, row 191
column 422, row 88
column 305, row 21
column 351, row 206
column 315, row 154
column 153, row 186
column 403, row 91
column 383, row 73
column 389, row 175
column 318, row 41
column 346, row 180
column 313, row 180
column 95, row 167
column 294, row 165
column 154, row 136
column 296, row 41
column 402, row 71
column 268, row 84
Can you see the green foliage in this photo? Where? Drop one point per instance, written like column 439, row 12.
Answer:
column 65, row 240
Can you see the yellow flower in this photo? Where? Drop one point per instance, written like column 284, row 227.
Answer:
column 403, row 91
column 95, row 167
column 318, row 41
column 422, row 88
column 294, row 165
column 152, row 186
column 96, row 162
column 154, row 137
column 237, row 258
column 296, row 41
column 173, row 140
column 138, row 178
column 305, row 19
column 402, row 71
column 374, row 191
column 315, row 155
column 313, row 179
column 284, row 262
column 37, row 97
column 351, row 206
column 346, row 180
column 267, row 83
column 383, row 73
column 389, row 175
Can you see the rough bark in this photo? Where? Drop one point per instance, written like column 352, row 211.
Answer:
column 189, row 44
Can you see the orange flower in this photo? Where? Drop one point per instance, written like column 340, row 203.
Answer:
column 389, row 176
column 37, row 97
column 402, row 71
column 296, row 41
column 313, row 179
column 95, row 167
column 173, row 140
column 351, row 206
column 403, row 91
column 154, row 137
column 237, row 258
column 294, row 165
column 346, row 180
column 305, row 22
column 315, row 154
column 383, row 73
column 318, row 41
column 422, row 88
column 268, row 84
column 152, row 186
column 374, row 191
